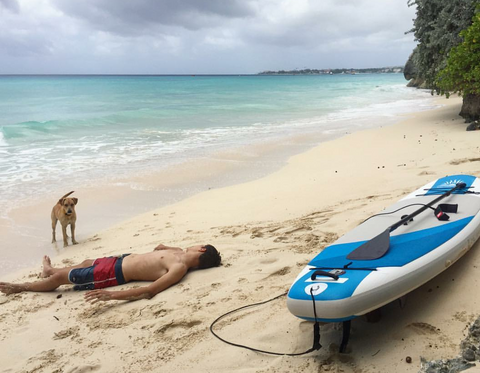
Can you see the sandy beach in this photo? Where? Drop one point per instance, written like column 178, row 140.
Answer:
column 266, row 231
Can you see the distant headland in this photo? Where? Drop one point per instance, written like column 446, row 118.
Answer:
column 373, row 70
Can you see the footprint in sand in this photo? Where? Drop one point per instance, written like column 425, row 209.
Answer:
column 84, row 368
column 456, row 162
column 268, row 260
column 423, row 328
column 68, row 262
column 173, row 327
column 44, row 359
column 70, row 332
column 281, row 272
column 155, row 310
column 425, row 173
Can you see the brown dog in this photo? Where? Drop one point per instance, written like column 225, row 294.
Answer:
column 64, row 211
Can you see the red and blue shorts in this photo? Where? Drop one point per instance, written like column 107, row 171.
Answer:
column 104, row 272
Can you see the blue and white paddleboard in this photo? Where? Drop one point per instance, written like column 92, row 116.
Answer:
column 344, row 288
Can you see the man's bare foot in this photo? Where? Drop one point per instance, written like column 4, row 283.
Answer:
column 8, row 288
column 47, row 267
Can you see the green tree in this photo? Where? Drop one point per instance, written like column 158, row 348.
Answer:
column 462, row 72
column 437, row 26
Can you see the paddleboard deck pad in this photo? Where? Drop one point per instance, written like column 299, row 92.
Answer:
column 342, row 288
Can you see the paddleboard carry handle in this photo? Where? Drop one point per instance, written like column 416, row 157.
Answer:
column 323, row 273
column 379, row 245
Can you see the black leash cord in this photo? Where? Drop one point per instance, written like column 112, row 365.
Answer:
column 392, row 212
column 262, row 351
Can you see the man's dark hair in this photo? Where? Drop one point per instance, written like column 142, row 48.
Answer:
column 210, row 258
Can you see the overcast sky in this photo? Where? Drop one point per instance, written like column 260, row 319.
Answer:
column 200, row 36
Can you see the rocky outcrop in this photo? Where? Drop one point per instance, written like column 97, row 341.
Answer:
column 470, row 108
column 474, row 126
column 410, row 72
column 417, row 83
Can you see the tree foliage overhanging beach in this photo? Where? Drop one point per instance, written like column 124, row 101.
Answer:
column 445, row 59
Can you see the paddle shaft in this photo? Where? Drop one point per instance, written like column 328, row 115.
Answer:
column 427, row 206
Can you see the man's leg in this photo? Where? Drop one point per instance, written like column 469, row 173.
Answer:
column 48, row 270
column 56, row 277
column 48, row 284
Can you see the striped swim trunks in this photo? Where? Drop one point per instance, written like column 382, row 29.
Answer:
column 103, row 273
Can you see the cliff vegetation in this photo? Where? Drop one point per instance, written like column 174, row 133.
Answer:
column 446, row 59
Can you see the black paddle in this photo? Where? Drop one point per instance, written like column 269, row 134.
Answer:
column 379, row 245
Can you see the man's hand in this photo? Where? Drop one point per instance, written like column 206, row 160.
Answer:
column 95, row 296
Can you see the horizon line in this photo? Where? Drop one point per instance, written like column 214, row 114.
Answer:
column 265, row 72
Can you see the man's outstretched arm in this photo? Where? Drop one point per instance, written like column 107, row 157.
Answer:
column 174, row 275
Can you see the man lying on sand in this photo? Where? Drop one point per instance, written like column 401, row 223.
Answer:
column 164, row 266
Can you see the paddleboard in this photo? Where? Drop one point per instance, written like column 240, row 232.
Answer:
column 342, row 288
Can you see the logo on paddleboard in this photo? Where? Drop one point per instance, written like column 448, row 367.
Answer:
column 316, row 288
column 451, row 183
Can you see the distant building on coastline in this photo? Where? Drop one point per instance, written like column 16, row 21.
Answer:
column 305, row 71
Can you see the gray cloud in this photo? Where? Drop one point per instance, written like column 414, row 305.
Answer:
column 201, row 36
column 126, row 17
column 327, row 21
column 24, row 46
column 11, row 5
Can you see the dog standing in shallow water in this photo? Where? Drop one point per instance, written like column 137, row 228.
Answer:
column 64, row 211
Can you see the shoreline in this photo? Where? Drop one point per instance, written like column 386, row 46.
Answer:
column 266, row 230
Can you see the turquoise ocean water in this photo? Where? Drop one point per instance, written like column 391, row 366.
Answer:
column 86, row 128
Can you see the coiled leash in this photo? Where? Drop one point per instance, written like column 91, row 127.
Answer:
column 316, row 330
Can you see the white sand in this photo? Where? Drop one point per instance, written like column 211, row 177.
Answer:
column 266, row 230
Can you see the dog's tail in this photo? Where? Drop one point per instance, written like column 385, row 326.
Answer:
column 65, row 196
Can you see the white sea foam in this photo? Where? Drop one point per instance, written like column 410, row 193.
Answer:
column 3, row 142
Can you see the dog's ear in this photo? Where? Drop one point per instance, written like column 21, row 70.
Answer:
column 61, row 200
column 75, row 200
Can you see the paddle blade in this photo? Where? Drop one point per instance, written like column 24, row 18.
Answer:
column 373, row 249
